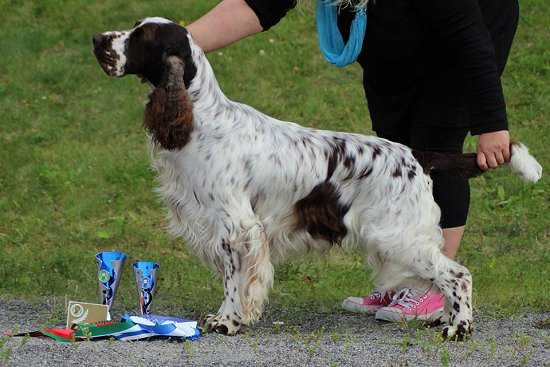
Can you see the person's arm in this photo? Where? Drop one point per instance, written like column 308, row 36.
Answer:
column 460, row 28
column 228, row 22
column 232, row 20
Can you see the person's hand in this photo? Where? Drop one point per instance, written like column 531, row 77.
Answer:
column 493, row 149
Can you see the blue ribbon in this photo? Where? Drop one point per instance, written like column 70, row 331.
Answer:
column 157, row 329
column 331, row 42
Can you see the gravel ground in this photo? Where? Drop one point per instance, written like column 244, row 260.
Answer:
column 314, row 340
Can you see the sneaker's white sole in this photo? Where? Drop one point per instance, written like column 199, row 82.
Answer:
column 358, row 308
column 387, row 315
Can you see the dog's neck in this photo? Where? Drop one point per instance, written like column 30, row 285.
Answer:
column 204, row 90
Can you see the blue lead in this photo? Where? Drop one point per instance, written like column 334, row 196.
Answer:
column 331, row 42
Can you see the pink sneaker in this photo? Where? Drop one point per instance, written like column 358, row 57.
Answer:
column 412, row 304
column 368, row 304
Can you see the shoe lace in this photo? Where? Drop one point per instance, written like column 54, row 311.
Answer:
column 405, row 298
column 375, row 295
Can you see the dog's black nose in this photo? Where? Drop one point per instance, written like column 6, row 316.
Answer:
column 97, row 39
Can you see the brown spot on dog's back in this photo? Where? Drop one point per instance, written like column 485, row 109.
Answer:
column 349, row 161
column 365, row 172
column 338, row 151
column 376, row 151
column 397, row 172
column 321, row 213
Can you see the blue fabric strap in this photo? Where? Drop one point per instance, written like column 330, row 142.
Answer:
column 331, row 41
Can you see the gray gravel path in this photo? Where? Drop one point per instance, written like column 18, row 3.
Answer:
column 314, row 340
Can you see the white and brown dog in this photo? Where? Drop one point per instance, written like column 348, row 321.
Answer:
column 245, row 190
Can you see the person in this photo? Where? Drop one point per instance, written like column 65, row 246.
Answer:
column 431, row 74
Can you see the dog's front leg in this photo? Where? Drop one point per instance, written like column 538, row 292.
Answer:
column 229, row 318
column 248, row 276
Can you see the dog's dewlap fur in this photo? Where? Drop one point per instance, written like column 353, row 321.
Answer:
column 245, row 190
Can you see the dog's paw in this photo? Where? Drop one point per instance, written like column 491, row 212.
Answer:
column 222, row 325
column 457, row 332
column 435, row 323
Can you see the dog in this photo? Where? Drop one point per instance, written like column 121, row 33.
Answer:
column 245, row 190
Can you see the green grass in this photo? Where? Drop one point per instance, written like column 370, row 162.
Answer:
column 75, row 177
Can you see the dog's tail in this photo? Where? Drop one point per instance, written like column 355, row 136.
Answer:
column 465, row 165
column 524, row 164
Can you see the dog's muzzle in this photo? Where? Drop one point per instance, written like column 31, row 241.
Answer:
column 104, row 53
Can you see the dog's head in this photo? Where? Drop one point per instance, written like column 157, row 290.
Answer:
column 143, row 50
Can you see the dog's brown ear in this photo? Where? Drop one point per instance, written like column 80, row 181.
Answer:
column 169, row 113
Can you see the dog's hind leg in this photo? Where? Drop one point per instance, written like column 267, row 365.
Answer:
column 454, row 280
column 248, row 276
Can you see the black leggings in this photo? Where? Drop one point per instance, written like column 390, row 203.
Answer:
column 451, row 193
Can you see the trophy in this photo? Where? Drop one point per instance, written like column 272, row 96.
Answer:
column 146, row 279
column 109, row 265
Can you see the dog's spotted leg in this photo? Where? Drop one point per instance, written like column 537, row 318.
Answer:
column 229, row 318
column 456, row 284
column 455, row 281
column 248, row 276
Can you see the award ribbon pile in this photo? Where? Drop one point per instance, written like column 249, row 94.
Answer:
column 88, row 321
